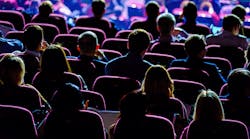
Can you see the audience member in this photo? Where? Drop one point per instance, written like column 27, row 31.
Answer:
column 229, row 37
column 68, row 118
column 55, row 71
column 97, row 20
column 168, row 33
column 238, row 104
column 44, row 16
column 195, row 49
column 190, row 25
column 33, row 41
column 9, row 45
column 152, row 11
column 240, row 11
column 132, row 64
column 90, row 56
column 12, row 88
column 209, row 120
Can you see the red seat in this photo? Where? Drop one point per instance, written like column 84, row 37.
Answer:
column 115, row 44
column 157, row 58
column 15, row 17
column 68, row 41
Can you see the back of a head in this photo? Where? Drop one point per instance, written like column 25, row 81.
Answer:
column 230, row 22
column 67, row 98
column 138, row 41
column 33, row 37
column 166, row 23
column 239, row 11
column 152, row 9
column 190, row 11
column 12, row 70
column 88, row 42
column 208, row 107
column 157, row 82
column 98, row 8
column 133, row 105
column 46, row 8
column 194, row 45
column 238, row 84
column 54, row 60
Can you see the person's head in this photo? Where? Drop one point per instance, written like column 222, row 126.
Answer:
column 67, row 98
column 98, row 8
column 152, row 9
column 12, row 70
column 232, row 23
column 195, row 46
column 166, row 23
column 239, row 11
column 157, row 82
column 138, row 41
column 208, row 107
column 46, row 8
column 133, row 105
column 238, row 84
column 33, row 37
column 88, row 43
column 190, row 11
column 54, row 60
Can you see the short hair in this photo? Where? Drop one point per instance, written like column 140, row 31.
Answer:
column 87, row 42
column 239, row 11
column 166, row 23
column 230, row 22
column 190, row 10
column 138, row 40
column 208, row 107
column 238, row 83
column 98, row 7
column 158, row 82
column 12, row 70
column 67, row 98
column 152, row 9
column 194, row 45
column 46, row 8
column 54, row 60
column 33, row 37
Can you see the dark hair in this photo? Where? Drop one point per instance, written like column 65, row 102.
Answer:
column 54, row 60
column 194, row 45
column 67, row 98
column 166, row 23
column 152, row 9
column 138, row 40
column 46, row 8
column 133, row 105
column 230, row 22
column 190, row 11
column 98, row 7
column 238, row 83
column 33, row 37
column 239, row 11
column 88, row 41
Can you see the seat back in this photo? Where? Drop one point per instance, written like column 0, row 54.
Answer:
column 68, row 41
column 225, row 129
column 116, row 44
column 15, row 35
column 113, row 88
column 49, row 30
column 123, row 34
column 223, row 64
column 175, row 49
column 15, row 17
column 157, row 58
column 96, row 100
column 16, row 122
column 182, row 73
column 150, row 127
column 111, row 54
column 101, row 35
column 224, row 90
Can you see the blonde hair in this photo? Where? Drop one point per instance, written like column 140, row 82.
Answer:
column 208, row 107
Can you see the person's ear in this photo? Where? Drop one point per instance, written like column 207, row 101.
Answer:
column 97, row 47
